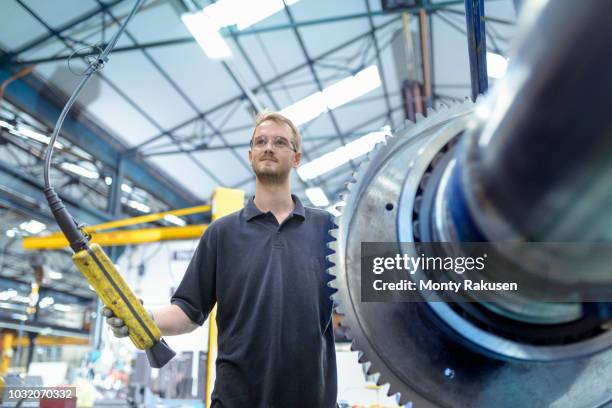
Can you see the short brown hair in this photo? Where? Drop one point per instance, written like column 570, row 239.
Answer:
column 267, row 114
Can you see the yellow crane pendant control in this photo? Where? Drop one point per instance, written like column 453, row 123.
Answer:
column 117, row 296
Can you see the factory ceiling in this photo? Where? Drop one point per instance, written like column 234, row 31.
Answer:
column 182, row 119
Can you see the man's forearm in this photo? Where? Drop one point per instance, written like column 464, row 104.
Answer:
column 172, row 321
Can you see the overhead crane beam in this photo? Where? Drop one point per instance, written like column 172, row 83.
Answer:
column 126, row 237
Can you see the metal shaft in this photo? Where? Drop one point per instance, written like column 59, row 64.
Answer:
column 540, row 154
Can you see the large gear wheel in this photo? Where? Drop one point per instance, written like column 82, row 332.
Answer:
column 408, row 345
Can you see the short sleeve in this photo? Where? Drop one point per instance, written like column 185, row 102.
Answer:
column 196, row 292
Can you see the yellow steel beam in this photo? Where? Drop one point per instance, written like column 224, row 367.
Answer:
column 57, row 239
column 124, row 237
column 146, row 218
column 138, row 220
column 225, row 201
column 48, row 341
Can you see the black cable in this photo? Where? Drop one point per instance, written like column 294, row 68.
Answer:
column 67, row 224
column 95, row 66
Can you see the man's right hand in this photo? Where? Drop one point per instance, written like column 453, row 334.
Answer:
column 116, row 324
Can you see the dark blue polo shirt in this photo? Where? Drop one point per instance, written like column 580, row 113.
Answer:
column 276, row 343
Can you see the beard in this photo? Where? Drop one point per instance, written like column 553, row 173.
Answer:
column 271, row 176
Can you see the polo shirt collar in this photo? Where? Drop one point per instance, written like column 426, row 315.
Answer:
column 251, row 211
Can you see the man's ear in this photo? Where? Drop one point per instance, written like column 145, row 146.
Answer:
column 297, row 158
column 250, row 156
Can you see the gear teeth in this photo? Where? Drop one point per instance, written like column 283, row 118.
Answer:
column 419, row 117
column 407, row 124
column 345, row 304
column 372, row 371
column 390, row 392
column 333, row 245
column 362, row 358
column 380, row 381
column 340, row 310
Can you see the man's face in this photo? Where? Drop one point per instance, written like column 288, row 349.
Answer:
column 272, row 161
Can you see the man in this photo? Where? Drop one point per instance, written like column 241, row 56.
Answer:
column 264, row 266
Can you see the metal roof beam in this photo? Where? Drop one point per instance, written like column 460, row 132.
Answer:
column 122, row 94
column 164, row 43
column 266, row 83
column 380, row 65
column 24, row 192
column 33, row 96
column 177, row 89
column 485, row 18
column 312, row 69
column 477, row 46
column 11, row 56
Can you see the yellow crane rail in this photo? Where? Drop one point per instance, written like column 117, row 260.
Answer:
column 57, row 240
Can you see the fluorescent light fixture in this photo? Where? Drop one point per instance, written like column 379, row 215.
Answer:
column 32, row 226
column 317, row 197
column 221, row 14
column 496, row 65
column 171, row 218
column 62, row 308
column 11, row 233
column 7, row 294
column 80, row 171
column 306, row 109
column 28, row 132
column 108, row 180
column 206, row 32
column 46, row 302
column 206, row 24
column 6, row 125
column 243, row 13
column 341, row 155
column 139, row 206
column 126, row 189
column 250, row 12
column 54, row 275
column 333, row 96
column 352, row 87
